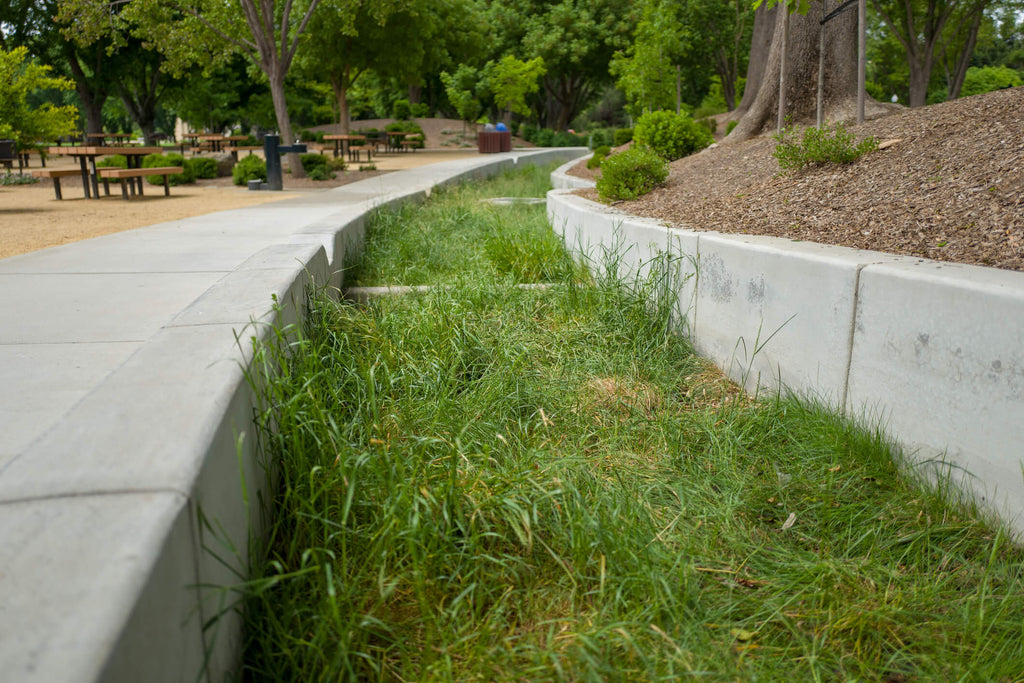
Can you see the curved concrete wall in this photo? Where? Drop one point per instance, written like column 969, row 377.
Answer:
column 128, row 474
column 934, row 352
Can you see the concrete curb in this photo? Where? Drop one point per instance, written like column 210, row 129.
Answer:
column 932, row 352
column 127, row 461
column 561, row 180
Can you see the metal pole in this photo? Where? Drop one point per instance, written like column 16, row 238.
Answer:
column 862, row 57
column 821, row 68
column 782, row 68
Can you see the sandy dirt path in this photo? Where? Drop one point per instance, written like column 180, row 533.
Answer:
column 31, row 218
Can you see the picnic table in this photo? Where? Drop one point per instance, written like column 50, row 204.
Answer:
column 101, row 138
column 87, row 162
column 343, row 142
column 395, row 138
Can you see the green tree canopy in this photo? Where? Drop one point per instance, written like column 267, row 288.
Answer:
column 19, row 78
column 511, row 80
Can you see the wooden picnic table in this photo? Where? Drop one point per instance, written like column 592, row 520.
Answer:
column 342, row 142
column 395, row 138
column 87, row 160
column 117, row 138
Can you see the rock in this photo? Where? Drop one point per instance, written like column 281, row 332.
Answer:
column 224, row 164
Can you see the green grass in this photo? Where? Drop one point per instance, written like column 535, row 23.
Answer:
column 490, row 483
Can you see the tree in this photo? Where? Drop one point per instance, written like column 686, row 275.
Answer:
column 760, row 48
column 933, row 29
column 345, row 39
column 840, row 94
column 464, row 92
column 207, row 32
column 19, row 78
column 29, row 23
column 511, row 80
column 575, row 38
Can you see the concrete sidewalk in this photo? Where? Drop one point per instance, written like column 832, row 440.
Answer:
column 127, row 462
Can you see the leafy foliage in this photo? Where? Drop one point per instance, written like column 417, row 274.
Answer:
column 622, row 136
column 463, row 91
column 17, row 179
column 630, row 174
column 671, row 135
column 600, row 154
column 19, row 120
column 511, row 80
column 202, row 167
column 986, row 79
column 249, row 168
column 187, row 177
column 820, row 146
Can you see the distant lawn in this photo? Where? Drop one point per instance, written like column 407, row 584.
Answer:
column 493, row 483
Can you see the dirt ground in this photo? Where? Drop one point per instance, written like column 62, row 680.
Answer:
column 31, row 218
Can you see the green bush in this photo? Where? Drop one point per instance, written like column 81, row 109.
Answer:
column 312, row 161
column 202, row 167
column 528, row 132
column 622, row 136
column 401, row 110
column 113, row 161
column 632, row 173
column 602, row 137
column 819, row 146
column 569, row 140
column 729, row 126
column 336, row 164
column 600, row 154
column 320, row 172
column 187, row 177
column 249, row 168
column 671, row 135
column 545, row 137
column 307, row 136
column 420, row 110
column 986, row 79
column 9, row 178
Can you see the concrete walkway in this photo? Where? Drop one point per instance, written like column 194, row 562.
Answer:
column 128, row 474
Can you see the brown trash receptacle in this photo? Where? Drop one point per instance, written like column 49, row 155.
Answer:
column 492, row 142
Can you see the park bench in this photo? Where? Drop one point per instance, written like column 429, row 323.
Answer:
column 354, row 150
column 410, row 145
column 235, row 149
column 125, row 174
column 56, row 174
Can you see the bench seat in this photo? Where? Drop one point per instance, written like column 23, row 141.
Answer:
column 354, row 150
column 56, row 174
column 125, row 174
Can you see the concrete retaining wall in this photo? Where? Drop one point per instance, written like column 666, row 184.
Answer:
column 128, row 474
column 932, row 351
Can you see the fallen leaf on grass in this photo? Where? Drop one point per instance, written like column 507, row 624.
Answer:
column 789, row 521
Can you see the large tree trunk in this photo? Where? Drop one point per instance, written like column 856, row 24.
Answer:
column 339, row 84
column 955, row 76
column 760, row 48
column 283, row 120
column 802, row 75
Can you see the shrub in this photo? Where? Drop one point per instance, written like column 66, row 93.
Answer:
column 602, row 137
column 202, row 167
column 336, row 164
column 420, row 110
column 528, row 132
column 632, row 173
column 568, row 140
column 249, row 168
column 113, row 161
column 157, row 160
column 671, row 135
column 401, row 110
column 307, row 136
column 729, row 126
column 545, row 137
column 709, row 123
column 320, row 172
column 988, row 78
column 18, row 179
column 819, row 146
column 600, row 154
column 312, row 161
column 622, row 136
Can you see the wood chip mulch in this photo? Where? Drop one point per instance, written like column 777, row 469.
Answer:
column 948, row 186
